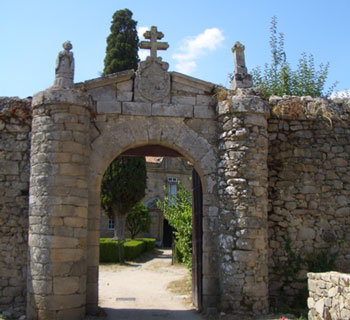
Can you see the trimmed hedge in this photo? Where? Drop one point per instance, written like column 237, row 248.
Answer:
column 131, row 248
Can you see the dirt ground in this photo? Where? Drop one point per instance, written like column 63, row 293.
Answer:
column 148, row 289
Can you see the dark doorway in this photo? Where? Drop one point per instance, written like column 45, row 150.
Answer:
column 167, row 234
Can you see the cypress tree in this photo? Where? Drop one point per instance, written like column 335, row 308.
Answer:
column 124, row 182
column 122, row 49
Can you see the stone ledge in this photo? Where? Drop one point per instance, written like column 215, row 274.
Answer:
column 243, row 104
column 57, row 95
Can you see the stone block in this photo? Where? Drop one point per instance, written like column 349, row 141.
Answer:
column 41, row 287
column 75, row 222
column 64, row 242
column 67, row 255
column 204, row 112
column 202, row 99
column 125, row 96
column 71, row 314
column 211, row 285
column 9, row 167
column 125, row 86
column 65, row 285
column 172, row 110
column 186, row 100
column 64, row 302
column 137, row 108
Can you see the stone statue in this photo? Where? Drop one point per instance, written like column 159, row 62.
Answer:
column 65, row 67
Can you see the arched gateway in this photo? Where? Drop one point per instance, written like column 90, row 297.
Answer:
column 78, row 129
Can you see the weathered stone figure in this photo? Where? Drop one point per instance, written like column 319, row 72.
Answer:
column 241, row 77
column 65, row 67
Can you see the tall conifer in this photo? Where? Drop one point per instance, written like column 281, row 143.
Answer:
column 124, row 182
column 122, row 49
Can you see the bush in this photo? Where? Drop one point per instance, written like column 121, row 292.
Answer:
column 109, row 250
column 279, row 79
column 134, row 248
column 130, row 250
column 150, row 243
column 138, row 220
column 178, row 211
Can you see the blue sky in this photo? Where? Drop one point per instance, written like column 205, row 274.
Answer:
column 200, row 34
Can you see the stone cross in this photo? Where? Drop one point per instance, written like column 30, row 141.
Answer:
column 238, row 56
column 153, row 35
column 64, row 72
column 241, row 78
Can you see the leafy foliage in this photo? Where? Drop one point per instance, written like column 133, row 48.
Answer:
column 122, row 43
column 178, row 211
column 138, row 220
column 279, row 79
column 123, row 184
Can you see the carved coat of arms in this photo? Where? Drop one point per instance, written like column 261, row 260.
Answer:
column 152, row 81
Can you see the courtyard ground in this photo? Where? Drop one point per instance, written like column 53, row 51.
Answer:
column 151, row 288
column 148, row 289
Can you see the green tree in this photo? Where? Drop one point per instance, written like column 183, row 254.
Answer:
column 279, row 79
column 124, row 181
column 178, row 211
column 122, row 44
column 138, row 220
column 123, row 185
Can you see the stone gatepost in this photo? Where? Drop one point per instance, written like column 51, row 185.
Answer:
column 58, row 203
column 242, row 171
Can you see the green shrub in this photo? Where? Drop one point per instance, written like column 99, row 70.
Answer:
column 150, row 243
column 138, row 220
column 130, row 250
column 109, row 250
column 134, row 248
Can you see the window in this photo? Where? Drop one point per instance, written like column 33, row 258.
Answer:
column 110, row 224
column 172, row 189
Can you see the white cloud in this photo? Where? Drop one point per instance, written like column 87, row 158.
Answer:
column 143, row 54
column 195, row 47
column 141, row 31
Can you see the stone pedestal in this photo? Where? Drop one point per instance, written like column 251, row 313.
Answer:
column 58, row 205
column 242, row 172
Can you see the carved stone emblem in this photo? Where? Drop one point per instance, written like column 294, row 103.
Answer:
column 152, row 80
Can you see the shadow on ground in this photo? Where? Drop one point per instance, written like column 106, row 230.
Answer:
column 147, row 314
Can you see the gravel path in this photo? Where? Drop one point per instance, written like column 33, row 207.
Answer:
column 140, row 290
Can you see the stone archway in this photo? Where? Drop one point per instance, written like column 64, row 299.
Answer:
column 78, row 129
column 199, row 154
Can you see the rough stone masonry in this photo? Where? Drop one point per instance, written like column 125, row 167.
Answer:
column 273, row 173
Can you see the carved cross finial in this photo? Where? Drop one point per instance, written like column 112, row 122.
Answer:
column 153, row 35
column 241, row 78
column 238, row 55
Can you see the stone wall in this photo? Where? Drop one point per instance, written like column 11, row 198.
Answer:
column 242, row 174
column 15, row 123
column 307, row 177
column 329, row 296
column 309, row 191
